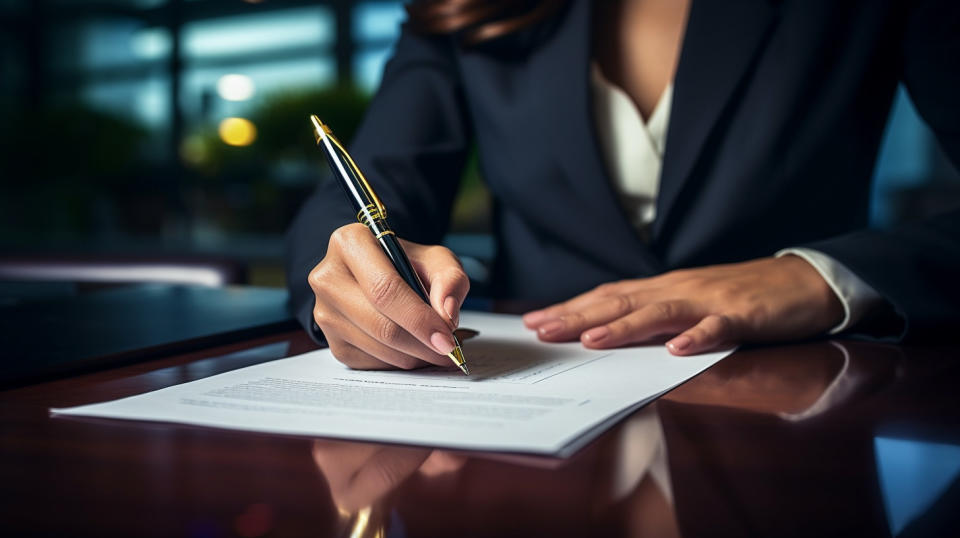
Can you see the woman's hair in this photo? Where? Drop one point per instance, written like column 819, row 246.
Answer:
column 478, row 20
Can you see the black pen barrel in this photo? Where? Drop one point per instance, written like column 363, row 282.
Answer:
column 373, row 214
column 370, row 212
column 391, row 245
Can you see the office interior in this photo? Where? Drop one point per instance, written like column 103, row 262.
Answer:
column 177, row 131
column 174, row 130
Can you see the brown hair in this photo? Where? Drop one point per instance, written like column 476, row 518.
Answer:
column 478, row 20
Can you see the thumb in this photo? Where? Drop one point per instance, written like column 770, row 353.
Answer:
column 444, row 278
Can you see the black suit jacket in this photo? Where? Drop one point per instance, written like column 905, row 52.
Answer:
column 777, row 115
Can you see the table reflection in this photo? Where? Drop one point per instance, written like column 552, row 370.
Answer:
column 759, row 443
column 775, row 441
column 619, row 484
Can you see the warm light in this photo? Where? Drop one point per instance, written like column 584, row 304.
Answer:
column 237, row 131
column 235, row 87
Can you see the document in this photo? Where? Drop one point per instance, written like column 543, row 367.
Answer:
column 524, row 395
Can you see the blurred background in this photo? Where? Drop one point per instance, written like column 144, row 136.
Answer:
column 175, row 131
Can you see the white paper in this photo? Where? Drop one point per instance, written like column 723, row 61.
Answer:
column 524, row 395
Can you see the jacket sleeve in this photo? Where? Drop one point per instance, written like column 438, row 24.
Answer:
column 916, row 267
column 411, row 146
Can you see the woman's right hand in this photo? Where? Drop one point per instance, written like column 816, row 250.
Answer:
column 370, row 316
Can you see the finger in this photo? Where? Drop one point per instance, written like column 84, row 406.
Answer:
column 359, row 351
column 713, row 332
column 570, row 325
column 394, row 298
column 359, row 473
column 444, row 277
column 440, row 463
column 537, row 318
column 666, row 317
column 339, row 299
column 354, row 308
column 390, row 466
column 339, row 460
column 352, row 357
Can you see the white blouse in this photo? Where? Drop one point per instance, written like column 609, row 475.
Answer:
column 633, row 154
column 633, row 148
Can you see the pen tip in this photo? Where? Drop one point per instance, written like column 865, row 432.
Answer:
column 457, row 357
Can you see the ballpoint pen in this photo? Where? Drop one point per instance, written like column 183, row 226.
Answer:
column 372, row 214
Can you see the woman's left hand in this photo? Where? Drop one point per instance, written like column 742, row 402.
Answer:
column 702, row 309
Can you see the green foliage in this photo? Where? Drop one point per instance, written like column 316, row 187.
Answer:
column 283, row 129
column 283, row 119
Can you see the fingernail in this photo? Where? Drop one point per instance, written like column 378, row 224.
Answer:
column 450, row 307
column 679, row 343
column 442, row 343
column 596, row 334
column 551, row 328
column 533, row 318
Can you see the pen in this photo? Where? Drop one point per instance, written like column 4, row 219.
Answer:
column 372, row 214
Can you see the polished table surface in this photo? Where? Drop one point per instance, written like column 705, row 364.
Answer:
column 815, row 439
column 62, row 335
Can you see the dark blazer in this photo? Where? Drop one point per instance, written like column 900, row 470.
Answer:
column 778, row 111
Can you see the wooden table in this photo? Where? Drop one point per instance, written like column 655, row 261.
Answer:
column 118, row 325
column 770, row 441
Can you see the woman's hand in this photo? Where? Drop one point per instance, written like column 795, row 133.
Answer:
column 360, row 474
column 702, row 309
column 370, row 316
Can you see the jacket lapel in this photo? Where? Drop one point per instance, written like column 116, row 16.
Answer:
column 567, row 113
column 720, row 46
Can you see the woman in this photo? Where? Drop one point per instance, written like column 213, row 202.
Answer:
column 696, row 171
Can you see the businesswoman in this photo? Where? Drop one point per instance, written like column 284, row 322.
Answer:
column 689, row 171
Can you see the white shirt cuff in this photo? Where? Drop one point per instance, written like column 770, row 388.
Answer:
column 842, row 386
column 856, row 296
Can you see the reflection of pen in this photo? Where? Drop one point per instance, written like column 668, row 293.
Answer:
column 372, row 214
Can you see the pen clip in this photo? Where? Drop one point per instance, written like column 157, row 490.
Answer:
column 353, row 166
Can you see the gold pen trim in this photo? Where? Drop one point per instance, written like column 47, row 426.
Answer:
column 369, row 214
column 356, row 169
